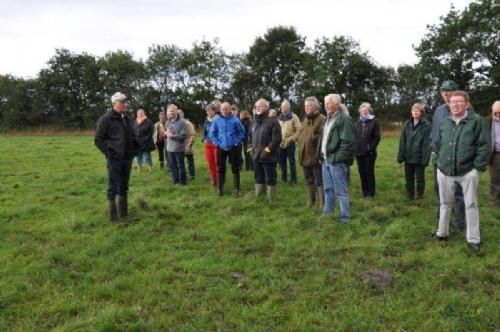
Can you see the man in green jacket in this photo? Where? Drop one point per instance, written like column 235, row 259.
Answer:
column 462, row 150
column 336, row 149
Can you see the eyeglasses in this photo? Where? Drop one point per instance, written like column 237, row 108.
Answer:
column 457, row 102
column 496, row 113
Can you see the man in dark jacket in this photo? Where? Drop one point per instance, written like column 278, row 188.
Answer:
column 463, row 149
column 336, row 149
column 115, row 138
column 227, row 133
column 265, row 139
column 442, row 113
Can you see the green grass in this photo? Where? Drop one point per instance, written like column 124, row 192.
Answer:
column 188, row 260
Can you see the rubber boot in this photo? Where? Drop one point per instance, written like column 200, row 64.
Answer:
column 271, row 193
column 259, row 190
column 236, row 184
column 311, row 195
column 220, row 184
column 112, row 212
column 321, row 197
column 122, row 207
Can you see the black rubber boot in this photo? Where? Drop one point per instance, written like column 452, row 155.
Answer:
column 112, row 212
column 122, row 207
column 236, row 184
column 220, row 184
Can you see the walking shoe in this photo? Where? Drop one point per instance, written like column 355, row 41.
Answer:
column 474, row 247
column 439, row 238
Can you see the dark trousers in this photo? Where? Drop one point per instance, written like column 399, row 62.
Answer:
column 366, row 168
column 248, row 157
column 285, row 154
column 233, row 154
column 190, row 162
column 459, row 203
column 161, row 153
column 313, row 175
column 265, row 173
column 494, row 168
column 412, row 172
column 118, row 177
column 177, row 168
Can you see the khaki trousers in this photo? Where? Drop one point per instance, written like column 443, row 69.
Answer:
column 469, row 183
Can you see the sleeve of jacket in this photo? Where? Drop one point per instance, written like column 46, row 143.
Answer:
column 100, row 135
column 183, row 131
column 214, row 132
column 402, row 144
column 426, row 148
column 192, row 134
column 347, row 139
column 276, row 135
column 376, row 135
column 241, row 131
column 297, row 126
column 155, row 134
column 483, row 149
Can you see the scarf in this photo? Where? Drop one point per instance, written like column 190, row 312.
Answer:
column 364, row 118
column 285, row 117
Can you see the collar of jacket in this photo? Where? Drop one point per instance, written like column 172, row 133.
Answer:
column 285, row 117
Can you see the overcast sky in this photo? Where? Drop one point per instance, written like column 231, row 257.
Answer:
column 30, row 31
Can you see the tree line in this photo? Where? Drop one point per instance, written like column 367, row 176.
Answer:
column 74, row 89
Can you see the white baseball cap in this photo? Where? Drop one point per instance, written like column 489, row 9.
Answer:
column 118, row 97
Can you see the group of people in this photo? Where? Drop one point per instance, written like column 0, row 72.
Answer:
column 460, row 142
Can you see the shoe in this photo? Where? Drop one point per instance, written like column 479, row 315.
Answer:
column 122, row 207
column 259, row 190
column 474, row 247
column 271, row 193
column 439, row 238
column 311, row 195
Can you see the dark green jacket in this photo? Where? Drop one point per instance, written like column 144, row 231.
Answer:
column 462, row 147
column 414, row 145
column 340, row 142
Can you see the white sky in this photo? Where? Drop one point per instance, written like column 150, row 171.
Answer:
column 30, row 31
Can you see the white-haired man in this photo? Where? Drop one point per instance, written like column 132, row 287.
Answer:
column 115, row 138
column 337, row 154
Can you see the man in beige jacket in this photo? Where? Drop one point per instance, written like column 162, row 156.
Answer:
column 189, row 152
column 290, row 127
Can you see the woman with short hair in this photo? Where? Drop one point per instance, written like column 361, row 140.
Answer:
column 144, row 130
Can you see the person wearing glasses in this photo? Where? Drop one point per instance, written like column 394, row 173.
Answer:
column 115, row 138
column 442, row 113
column 462, row 151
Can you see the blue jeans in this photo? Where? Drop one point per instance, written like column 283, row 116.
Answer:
column 177, row 167
column 118, row 177
column 144, row 155
column 335, row 181
column 284, row 154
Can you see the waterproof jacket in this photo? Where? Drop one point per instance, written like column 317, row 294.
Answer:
column 179, row 128
column 414, row 143
column 191, row 138
column 367, row 137
column 340, row 141
column 247, row 124
column 159, row 133
column 144, row 133
column 206, row 130
column 115, row 136
column 441, row 113
column 226, row 132
column 462, row 147
column 290, row 128
column 265, row 132
column 308, row 139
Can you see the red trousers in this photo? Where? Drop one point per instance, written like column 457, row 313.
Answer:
column 211, row 157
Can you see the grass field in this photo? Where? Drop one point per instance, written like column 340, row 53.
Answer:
column 190, row 261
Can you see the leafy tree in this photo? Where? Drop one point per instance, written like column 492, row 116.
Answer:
column 464, row 48
column 277, row 58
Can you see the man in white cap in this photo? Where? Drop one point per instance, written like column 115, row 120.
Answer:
column 115, row 138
